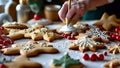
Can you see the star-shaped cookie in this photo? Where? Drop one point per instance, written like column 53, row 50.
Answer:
column 114, row 49
column 22, row 62
column 86, row 44
column 66, row 62
column 108, row 22
column 113, row 63
column 31, row 48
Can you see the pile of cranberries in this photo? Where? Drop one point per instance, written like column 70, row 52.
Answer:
column 94, row 57
column 116, row 34
column 70, row 36
column 4, row 40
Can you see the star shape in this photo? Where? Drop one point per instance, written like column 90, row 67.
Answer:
column 22, row 62
column 85, row 44
column 107, row 22
column 65, row 62
column 32, row 48
column 113, row 63
column 114, row 49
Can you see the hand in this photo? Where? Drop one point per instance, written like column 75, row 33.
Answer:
column 75, row 12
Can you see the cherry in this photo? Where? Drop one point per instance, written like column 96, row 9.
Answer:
column 93, row 57
column 1, row 28
column 5, row 42
column 105, row 53
column 85, row 56
column 100, row 57
column 2, row 66
column 36, row 17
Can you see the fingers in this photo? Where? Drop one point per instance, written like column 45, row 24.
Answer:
column 62, row 12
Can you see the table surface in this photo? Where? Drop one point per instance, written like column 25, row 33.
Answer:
column 63, row 46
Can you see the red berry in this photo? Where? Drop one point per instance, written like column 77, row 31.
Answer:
column 0, row 47
column 2, row 66
column 93, row 57
column 118, row 38
column 1, row 42
column 116, row 34
column 5, row 42
column 1, row 28
column 105, row 53
column 85, row 56
column 113, row 36
column 117, row 30
column 65, row 35
column 36, row 17
column 100, row 57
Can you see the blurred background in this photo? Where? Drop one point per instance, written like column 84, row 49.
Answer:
column 41, row 4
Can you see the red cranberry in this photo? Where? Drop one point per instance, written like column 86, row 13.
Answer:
column 117, row 30
column 36, row 17
column 118, row 38
column 2, row 66
column 100, row 57
column 1, row 28
column 1, row 41
column 113, row 36
column 93, row 57
column 5, row 42
column 85, row 56
column 105, row 53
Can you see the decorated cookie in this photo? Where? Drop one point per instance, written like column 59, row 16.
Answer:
column 108, row 22
column 85, row 44
column 31, row 48
column 14, row 25
column 66, row 62
column 98, row 35
column 114, row 49
column 114, row 63
column 21, row 62
column 45, row 34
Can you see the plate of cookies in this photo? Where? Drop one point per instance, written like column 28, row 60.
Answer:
column 95, row 45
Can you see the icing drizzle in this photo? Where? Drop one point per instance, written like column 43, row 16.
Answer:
column 68, row 28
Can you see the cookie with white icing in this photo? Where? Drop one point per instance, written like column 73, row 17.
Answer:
column 114, row 49
column 32, row 48
column 98, row 35
column 86, row 44
column 114, row 63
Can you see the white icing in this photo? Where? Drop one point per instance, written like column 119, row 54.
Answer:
column 85, row 42
column 98, row 33
column 68, row 28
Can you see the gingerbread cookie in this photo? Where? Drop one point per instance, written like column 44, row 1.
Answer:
column 66, row 62
column 32, row 48
column 21, row 62
column 114, row 63
column 98, row 35
column 85, row 44
column 114, row 49
column 108, row 22
column 14, row 25
column 45, row 34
